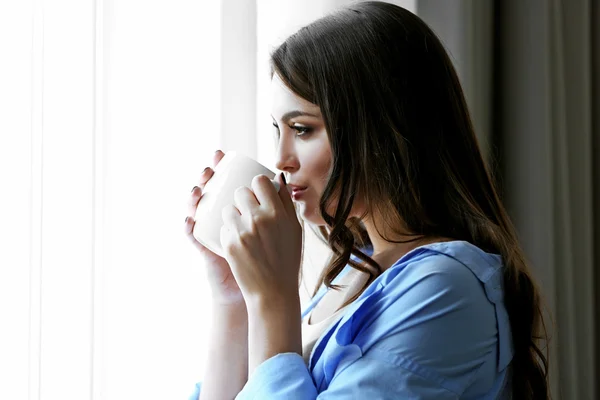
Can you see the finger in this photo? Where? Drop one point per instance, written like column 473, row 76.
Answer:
column 193, row 201
column 224, row 239
column 205, row 176
column 230, row 215
column 245, row 200
column 276, row 184
column 217, row 157
column 189, row 233
column 266, row 193
column 232, row 221
column 286, row 198
column 208, row 172
column 231, row 230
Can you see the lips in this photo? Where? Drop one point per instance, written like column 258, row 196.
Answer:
column 296, row 191
column 296, row 188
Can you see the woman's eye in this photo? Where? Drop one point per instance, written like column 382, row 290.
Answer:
column 302, row 130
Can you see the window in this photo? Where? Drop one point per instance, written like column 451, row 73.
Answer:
column 109, row 111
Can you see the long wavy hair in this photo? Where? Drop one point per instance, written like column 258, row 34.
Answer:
column 403, row 143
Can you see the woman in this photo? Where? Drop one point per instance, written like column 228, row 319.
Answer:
column 428, row 294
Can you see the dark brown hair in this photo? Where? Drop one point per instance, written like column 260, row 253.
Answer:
column 402, row 141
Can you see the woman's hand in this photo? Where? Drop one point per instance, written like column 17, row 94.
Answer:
column 262, row 240
column 226, row 291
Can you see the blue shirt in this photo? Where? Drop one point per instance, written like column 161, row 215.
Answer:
column 432, row 326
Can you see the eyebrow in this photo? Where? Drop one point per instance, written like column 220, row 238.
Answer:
column 296, row 113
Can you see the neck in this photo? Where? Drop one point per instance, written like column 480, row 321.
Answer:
column 386, row 253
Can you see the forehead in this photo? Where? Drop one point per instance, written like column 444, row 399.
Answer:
column 284, row 100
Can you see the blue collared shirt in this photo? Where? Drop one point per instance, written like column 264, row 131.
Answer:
column 432, row 326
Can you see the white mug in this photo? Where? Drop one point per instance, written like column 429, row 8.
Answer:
column 233, row 171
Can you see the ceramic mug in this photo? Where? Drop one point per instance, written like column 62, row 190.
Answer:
column 233, row 171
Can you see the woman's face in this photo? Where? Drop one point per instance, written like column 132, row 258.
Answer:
column 303, row 150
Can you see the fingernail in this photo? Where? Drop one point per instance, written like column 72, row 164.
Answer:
column 186, row 219
column 194, row 188
column 283, row 179
column 205, row 169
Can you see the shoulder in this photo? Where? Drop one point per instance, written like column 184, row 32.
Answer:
column 429, row 269
column 439, row 275
column 441, row 283
column 430, row 313
column 456, row 263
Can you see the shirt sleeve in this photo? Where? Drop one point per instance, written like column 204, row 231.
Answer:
column 196, row 394
column 285, row 376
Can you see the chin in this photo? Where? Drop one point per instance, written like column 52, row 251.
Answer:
column 310, row 215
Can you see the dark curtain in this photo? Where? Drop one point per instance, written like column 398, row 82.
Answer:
column 531, row 75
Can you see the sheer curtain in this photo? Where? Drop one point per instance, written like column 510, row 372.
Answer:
column 109, row 111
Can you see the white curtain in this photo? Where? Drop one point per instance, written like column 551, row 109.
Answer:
column 109, row 111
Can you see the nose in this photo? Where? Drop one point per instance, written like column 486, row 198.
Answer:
column 286, row 159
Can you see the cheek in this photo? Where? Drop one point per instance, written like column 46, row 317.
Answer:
column 316, row 161
column 320, row 165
